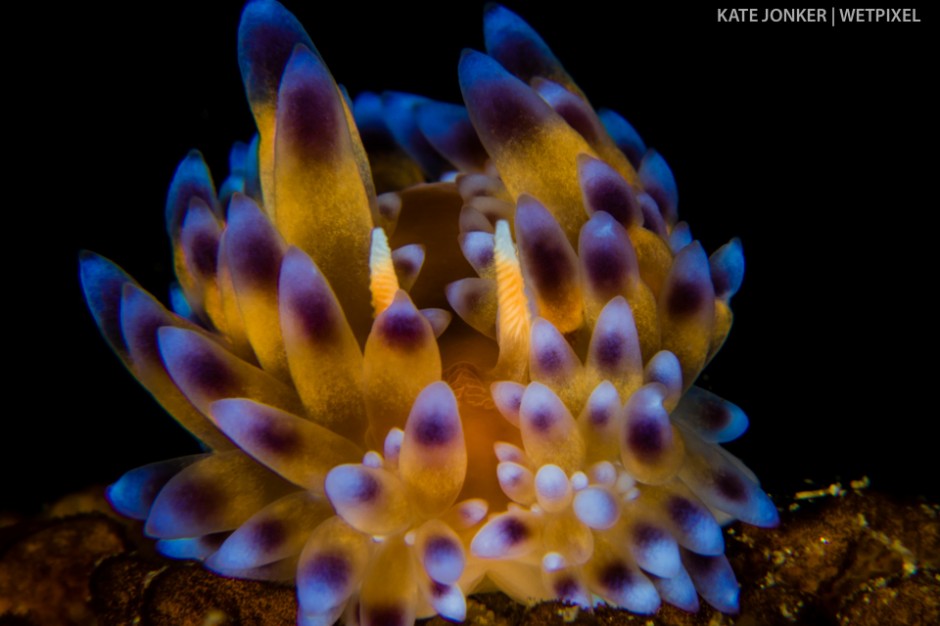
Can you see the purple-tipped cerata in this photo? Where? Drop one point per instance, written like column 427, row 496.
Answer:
column 432, row 347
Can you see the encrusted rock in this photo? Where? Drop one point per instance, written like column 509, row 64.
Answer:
column 185, row 594
column 858, row 558
column 45, row 566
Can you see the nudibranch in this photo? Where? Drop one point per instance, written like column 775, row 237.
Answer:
column 431, row 348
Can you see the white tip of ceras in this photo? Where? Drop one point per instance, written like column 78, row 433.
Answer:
column 514, row 319
column 552, row 488
column 383, row 283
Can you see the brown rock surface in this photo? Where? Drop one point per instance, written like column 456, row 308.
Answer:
column 45, row 566
column 128, row 587
column 855, row 558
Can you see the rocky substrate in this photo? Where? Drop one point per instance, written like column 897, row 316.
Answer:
column 839, row 557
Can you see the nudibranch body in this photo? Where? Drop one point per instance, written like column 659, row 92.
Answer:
column 410, row 390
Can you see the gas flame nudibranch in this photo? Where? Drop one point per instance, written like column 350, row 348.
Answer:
column 411, row 390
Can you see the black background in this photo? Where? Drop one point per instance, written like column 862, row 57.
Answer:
column 815, row 145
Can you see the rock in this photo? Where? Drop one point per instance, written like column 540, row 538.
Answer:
column 825, row 551
column 851, row 557
column 118, row 585
column 132, row 589
column 45, row 566
column 905, row 600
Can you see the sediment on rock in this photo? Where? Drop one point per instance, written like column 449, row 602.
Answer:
column 858, row 558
